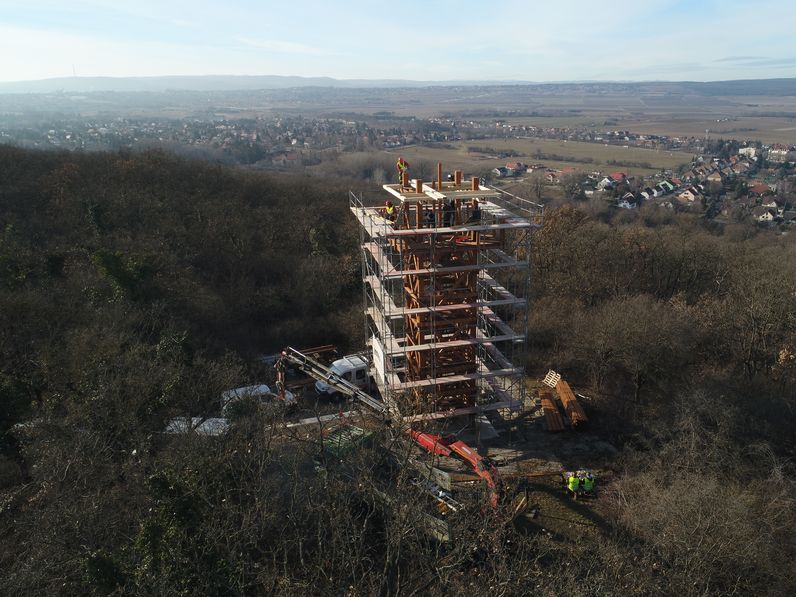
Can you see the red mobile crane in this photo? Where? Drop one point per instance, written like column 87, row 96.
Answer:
column 483, row 467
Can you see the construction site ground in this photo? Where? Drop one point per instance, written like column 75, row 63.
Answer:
column 525, row 452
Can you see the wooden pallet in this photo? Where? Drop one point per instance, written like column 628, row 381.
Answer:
column 552, row 417
column 572, row 407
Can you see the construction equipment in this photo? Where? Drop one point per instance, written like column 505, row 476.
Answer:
column 325, row 375
column 434, row 444
column 482, row 467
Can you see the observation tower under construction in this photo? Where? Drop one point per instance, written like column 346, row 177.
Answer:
column 446, row 295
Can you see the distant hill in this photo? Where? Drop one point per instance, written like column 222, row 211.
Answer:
column 204, row 83
column 776, row 87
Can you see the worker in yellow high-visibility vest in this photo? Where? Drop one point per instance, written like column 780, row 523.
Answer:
column 573, row 484
column 402, row 166
column 389, row 211
column 588, row 484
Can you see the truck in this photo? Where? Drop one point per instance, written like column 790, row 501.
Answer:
column 352, row 368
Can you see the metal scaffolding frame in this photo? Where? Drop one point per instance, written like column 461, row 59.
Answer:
column 446, row 312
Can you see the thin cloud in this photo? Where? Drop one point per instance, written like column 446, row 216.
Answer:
column 283, row 47
column 740, row 59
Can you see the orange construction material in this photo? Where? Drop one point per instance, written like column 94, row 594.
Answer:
column 571, row 405
column 552, row 417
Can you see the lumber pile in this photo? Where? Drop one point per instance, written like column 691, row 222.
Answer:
column 552, row 417
column 572, row 407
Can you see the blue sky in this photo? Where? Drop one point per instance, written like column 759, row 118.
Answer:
column 426, row 41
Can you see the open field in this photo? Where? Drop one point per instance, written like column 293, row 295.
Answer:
column 573, row 152
column 768, row 129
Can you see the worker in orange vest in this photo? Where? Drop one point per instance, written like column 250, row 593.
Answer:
column 402, row 166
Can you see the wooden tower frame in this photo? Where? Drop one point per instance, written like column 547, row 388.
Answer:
column 446, row 294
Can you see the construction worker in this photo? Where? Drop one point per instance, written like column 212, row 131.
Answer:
column 429, row 220
column 448, row 213
column 475, row 213
column 573, row 484
column 402, row 166
column 389, row 211
column 587, row 483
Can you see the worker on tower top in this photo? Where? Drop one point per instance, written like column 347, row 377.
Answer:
column 402, row 166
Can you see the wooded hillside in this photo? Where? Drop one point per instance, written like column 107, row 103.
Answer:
column 137, row 287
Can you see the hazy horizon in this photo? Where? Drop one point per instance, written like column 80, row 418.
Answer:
column 618, row 40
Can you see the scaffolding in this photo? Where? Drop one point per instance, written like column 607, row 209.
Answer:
column 445, row 283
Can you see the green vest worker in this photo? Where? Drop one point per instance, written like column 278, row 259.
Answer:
column 573, row 483
column 588, row 484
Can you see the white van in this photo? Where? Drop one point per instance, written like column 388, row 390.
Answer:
column 259, row 392
column 352, row 368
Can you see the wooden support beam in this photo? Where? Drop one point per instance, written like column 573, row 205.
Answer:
column 552, row 417
column 571, row 405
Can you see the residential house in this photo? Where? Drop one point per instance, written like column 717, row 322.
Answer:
column 780, row 154
column 748, row 152
column 758, row 189
column 772, row 202
column 666, row 186
column 763, row 214
column 501, row 172
column 606, row 183
column 618, row 176
column 516, row 168
column 647, row 193
column 714, row 177
column 690, row 195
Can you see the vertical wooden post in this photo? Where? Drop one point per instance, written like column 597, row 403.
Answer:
column 476, row 183
column 457, row 178
column 418, row 210
column 418, row 186
column 458, row 217
column 405, row 180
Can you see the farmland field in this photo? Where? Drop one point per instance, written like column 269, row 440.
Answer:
column 457, row 156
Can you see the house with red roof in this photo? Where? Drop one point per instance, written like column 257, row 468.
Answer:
column 759, row 189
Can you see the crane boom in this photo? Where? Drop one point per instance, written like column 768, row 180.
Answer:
column 322, row 373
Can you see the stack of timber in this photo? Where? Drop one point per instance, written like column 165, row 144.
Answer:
column 552, row 417
column 572, row 407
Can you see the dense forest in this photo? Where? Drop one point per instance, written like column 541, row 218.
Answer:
column 137, row 287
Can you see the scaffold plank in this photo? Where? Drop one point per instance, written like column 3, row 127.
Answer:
column 439, row 381
column 394, row 347
column 458, row 412
column 389, row 270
